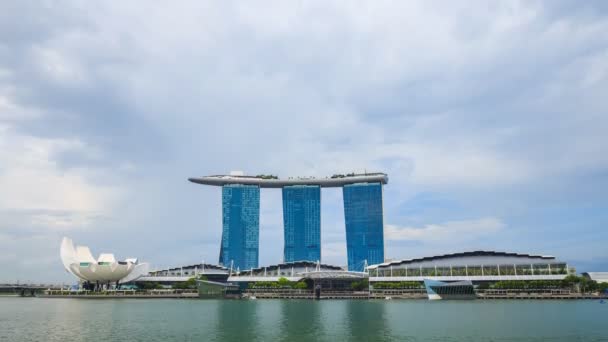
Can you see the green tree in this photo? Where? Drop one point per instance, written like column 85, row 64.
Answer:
column 283, row 282
column 397, row 285
column 188, row 284
column 588, row 285
column 149, row 285
column 571, row 281
column 301, row 285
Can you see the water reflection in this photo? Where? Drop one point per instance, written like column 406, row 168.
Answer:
column 367, row 320
column 237, row 320
column 307, row 326
column 34, row 319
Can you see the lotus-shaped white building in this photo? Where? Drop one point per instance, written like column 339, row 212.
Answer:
column 79, row 261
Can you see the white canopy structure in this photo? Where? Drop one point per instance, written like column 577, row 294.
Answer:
column 79, row 261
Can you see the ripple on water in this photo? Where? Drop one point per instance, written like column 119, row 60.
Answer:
column 40, row 319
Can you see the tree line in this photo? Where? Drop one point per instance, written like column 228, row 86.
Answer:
column 571, row 282
column 281, row 283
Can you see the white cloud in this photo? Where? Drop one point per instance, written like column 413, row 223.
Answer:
column 450, row 231
column 58, row 67
column 34, row 184
column 356, row 51
column 447, row 98
column 9, row 111
column 442, row 166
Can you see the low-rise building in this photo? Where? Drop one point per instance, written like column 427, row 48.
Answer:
column 476, row 266
column 101, row 272
column 600, row 277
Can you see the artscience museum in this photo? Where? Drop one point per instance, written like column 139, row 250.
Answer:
column 101, row 272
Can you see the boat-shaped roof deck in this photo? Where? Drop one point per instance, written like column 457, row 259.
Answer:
column 328, row 182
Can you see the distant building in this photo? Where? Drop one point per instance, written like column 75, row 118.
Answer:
column 302, row 222
column 477, row 266
column 241, row 226
column 462, row 289
column 363, row 216
column 600, row 277
column 103, row 271
column 327, row 276
column 179, row 274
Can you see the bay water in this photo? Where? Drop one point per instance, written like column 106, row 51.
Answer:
column 166, row 320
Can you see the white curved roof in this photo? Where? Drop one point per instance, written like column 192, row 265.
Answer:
column 455, row 258
column 80, row 262
column 334, row 275
column 138, row 271
column 600, row 277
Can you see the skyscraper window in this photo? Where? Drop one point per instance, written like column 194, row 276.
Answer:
column 240, row 226
column 302, row 223
column 363, row 216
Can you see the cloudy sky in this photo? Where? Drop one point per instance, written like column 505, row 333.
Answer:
column 490, row 119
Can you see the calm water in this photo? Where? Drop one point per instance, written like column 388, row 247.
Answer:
column 38, row 319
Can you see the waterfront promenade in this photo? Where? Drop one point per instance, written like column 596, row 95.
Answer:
column 149, row 294
column 309, row 294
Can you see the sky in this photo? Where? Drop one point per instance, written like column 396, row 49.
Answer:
column 490, row 119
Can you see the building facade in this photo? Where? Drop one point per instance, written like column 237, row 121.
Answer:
column 363, row 214
column 240, row 226
column 302, row 223
column 363, row 217
column 476, row 266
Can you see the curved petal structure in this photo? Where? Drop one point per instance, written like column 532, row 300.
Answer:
column 139, row 270
column 105, row 257
column 83, row 254
column 104, row 273
column 106, row 269
column 67, row 253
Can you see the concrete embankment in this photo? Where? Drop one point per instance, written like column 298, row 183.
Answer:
column 119, row 294
column 305, row 296
column 542, row 296
column 414, row 295
column 309, row 295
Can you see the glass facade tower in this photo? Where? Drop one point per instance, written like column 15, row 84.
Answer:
column 363, row 216
column 240, row 226
column 302, row 223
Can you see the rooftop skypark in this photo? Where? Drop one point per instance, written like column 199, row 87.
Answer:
column 272, row 181
column 363, row 216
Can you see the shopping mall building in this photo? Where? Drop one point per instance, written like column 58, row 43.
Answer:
column 476, row 266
